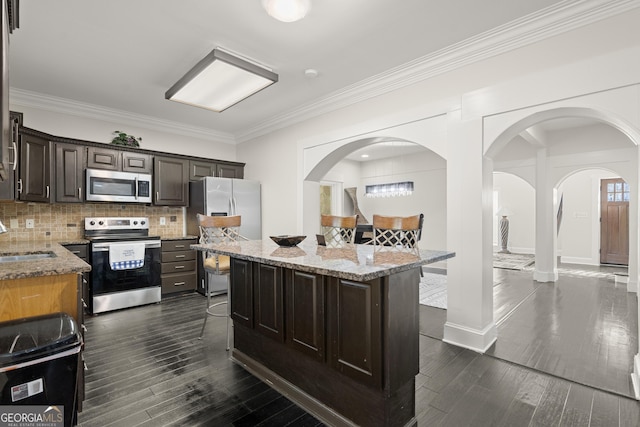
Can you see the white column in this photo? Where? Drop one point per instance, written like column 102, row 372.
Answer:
column 469, row 226
column 634, row 217
column 546, row 222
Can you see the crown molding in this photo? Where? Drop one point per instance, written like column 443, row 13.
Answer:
column 559, row 18
column 79, row 109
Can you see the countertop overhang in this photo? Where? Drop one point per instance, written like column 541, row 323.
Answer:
column 63, row 261
column 351, row 262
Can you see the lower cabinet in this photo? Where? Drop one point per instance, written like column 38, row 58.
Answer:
column 178, row 269
column 335, row 321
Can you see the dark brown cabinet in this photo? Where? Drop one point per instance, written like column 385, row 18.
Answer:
column 242, row 292
column 35, row 169
column 170, row 181
column 268, row 297
column 198, row 169
column 137, row 162
column 178, row 268
column 355, row 328
column 305, row 311
column 70, row 163
column 229, row 171
column 103, row 158
column 8, row 185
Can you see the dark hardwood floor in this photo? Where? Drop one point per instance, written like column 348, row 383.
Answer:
column 147, row 367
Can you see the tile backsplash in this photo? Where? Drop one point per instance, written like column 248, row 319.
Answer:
column 65, row 222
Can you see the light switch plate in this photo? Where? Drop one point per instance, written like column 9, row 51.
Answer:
column 163, row 220
column 13, row 223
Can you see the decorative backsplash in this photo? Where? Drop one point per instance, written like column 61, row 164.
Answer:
column 65, row 222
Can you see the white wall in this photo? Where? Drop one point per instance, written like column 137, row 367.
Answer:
column 519, row 197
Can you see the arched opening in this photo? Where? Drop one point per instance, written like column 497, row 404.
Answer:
column 564, row 154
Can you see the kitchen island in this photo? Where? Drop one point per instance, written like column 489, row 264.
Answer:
column 333, row 329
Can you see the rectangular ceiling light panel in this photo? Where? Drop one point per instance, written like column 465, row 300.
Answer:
column 219, row 81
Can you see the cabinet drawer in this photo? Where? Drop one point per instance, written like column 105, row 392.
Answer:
column 178, row 282
column 178, row 256
column 177, row 245
column 81, row 251
column 178, row 267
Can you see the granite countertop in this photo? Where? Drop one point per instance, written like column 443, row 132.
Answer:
column 351, row 262
column 63, row 261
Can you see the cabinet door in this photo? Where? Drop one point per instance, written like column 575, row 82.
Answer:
column 242, row 292
column 171, row 181
column 198, row 169
column 70, row 161
column 355, row 328
column 8, row 186
column 229, row 171
column 103, row 158
column 267, row 292
column 136, row 162
column 305, row 311
column 35, row 169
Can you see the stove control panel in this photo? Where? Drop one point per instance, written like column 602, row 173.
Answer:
column 116, row 223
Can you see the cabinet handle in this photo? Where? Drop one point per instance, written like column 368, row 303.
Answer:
column 47, row 192
column 180, row 246
column 180, row 256
column 157, row 196
column 179, row 284
column 14, row 148
column 20, row 186
column 179, row 267
column 80, row 193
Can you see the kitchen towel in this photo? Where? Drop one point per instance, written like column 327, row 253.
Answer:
column 125, row 256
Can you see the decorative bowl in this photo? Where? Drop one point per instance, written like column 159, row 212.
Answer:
column 287, row 241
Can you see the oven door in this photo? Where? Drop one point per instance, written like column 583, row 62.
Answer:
column 114, row 289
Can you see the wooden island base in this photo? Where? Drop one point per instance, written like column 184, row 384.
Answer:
column 336, row 330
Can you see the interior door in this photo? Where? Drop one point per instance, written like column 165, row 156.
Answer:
column 614, row 221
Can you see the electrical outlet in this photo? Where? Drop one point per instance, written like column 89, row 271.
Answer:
column 30, row 223
column 163, row 220
column 13, row 223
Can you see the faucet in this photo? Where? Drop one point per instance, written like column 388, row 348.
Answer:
column 3, row 229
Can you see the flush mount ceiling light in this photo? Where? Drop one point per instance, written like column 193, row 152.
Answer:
column 287, row 10
column 220, row 80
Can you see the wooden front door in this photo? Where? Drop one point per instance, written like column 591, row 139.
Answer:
column 614, row 221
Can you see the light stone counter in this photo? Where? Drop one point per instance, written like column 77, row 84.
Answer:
column 63, row 261
column 351, row 262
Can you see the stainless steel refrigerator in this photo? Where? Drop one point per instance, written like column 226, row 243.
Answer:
column 224, row 196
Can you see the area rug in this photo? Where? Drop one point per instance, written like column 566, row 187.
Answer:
column 433, row 290
column 512, row 261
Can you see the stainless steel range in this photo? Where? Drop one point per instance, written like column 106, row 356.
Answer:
column 125, row 263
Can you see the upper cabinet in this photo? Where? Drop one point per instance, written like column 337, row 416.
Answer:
column 229, row 171
column 34, row 184
column 198, row 169
column 170, row 181
column 69, row 166
column 118, row 160
column 9, row 23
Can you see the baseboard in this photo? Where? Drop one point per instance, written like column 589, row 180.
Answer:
column 472, row 339
column 578, row 260
column 545, row 276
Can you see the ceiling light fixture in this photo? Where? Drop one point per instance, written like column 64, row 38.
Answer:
column 221, row 79
column 287, row 10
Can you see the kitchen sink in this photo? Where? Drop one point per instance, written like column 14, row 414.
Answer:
column 26, row 257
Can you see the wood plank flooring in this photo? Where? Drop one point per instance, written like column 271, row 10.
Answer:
column 147, row 368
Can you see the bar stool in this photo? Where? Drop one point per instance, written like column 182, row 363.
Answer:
column 401, row 232
column 218, row 230
column 338, row 230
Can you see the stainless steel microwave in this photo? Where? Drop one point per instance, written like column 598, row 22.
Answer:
column 113, row 186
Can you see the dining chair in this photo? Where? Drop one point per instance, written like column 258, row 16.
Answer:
column 218, row 230
column 338, row 230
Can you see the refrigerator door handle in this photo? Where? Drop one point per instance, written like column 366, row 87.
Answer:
column 231, row 210
column 235, row 207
